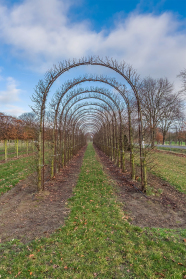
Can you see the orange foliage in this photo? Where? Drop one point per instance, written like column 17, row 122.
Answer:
column 159, row 137
column 13, row 128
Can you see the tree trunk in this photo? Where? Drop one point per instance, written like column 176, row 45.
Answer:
column 27, row 146
column 164, row 135
column 131, row 148
column 152, row 138
column 39, row 159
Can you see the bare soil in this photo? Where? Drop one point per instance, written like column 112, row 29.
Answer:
column 27, row 215
column 166, row 209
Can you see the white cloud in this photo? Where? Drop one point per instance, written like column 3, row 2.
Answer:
column 13, row 110
column 40, row 31
column 9, row 97
column 11, row 94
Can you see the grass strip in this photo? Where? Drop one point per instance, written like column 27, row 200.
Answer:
column 175, row 150
column 11, row 151
column 97, row 241
column 173, row 143
column 14, row 171
column 170, row 168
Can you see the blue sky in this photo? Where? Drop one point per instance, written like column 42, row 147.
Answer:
column 35, row 34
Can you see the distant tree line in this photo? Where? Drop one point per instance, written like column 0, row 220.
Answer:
column 161, row 107
column 23, row 127
column 162, row 110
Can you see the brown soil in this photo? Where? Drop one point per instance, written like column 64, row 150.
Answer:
column 165, row 210
column 26, row 214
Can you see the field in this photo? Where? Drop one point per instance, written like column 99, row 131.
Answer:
column 171, row 168
column 99, row 239
column 23, row 148
column 175, row 150
column 14, row 171
column 174, row 143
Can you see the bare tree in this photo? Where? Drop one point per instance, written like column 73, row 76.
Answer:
column 173, row 113
column 159, row 104
column 182, row 75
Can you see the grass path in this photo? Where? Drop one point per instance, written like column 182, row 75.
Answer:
column 97, row 241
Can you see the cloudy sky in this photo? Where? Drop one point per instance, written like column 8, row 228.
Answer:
column 35, row 34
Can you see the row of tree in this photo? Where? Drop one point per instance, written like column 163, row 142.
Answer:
column 136, row 116
column 23, row 127
column 161, row 107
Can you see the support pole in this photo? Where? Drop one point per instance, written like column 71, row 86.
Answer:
column 6, row 154
column 43, row 156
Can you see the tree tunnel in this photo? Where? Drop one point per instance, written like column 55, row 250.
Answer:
column 71, row 125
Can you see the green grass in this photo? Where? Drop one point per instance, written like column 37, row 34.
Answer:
column 14, row 171
column 168, row 167
column 176, row 150
column 97, row 241
column 11, row 150
column 173, row 143
column 171, row 168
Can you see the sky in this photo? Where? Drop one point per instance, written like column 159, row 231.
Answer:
column 36, row 34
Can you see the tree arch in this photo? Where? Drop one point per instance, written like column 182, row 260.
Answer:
column 124, row 70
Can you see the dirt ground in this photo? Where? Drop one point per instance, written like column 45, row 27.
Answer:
column 164, row 210
column 27, row 215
